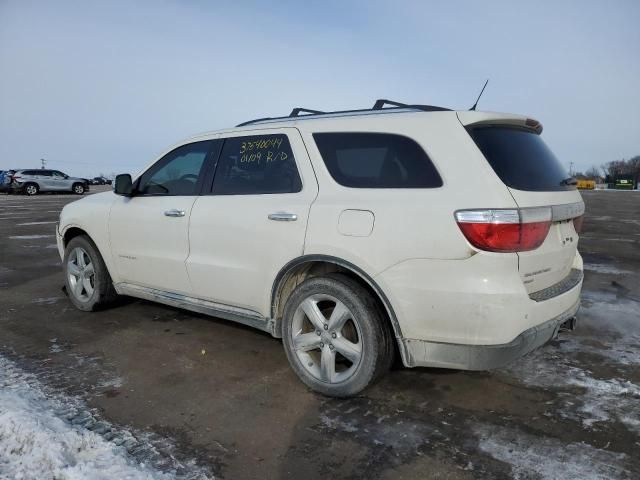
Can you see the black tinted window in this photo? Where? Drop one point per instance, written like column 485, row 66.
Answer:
column 521, row 158
column 177, row 173
column 256, row 165
column 376, row 160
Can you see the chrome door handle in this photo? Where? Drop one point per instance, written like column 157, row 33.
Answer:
column 283, row 217
column 174, row 213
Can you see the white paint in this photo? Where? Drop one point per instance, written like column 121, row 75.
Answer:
column 225, row 249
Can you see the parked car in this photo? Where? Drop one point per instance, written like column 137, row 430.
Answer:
column 32, row 182
column 5, row 180
column 101, row 181
column 448, row 237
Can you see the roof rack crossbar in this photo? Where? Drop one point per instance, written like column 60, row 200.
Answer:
column 298, row 110
column 380, row 103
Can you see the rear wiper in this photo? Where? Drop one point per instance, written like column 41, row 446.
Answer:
column 569, row 181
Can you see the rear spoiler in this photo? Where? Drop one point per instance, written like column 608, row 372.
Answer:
column 473, row 119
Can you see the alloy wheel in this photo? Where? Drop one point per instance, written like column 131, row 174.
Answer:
column 81, row 274
column 326, row 338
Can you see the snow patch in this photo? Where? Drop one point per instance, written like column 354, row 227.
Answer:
column 607, row 269
column 583, row 396
column 35, row 223
column 46, row 300
column 29, row 237
column 534, row 457
column 50, row 436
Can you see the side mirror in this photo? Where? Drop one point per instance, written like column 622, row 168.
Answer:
column 123, row 185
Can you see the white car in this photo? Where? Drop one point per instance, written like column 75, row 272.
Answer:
column 446, row 237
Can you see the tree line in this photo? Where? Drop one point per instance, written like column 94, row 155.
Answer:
column 609, row 171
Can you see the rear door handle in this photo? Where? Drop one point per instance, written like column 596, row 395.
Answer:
column 174, row 212
column 283, row 217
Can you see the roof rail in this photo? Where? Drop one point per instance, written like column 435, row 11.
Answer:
column 379, row 105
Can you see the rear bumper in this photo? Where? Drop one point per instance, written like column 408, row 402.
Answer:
column 474, row 313
column 423, row 353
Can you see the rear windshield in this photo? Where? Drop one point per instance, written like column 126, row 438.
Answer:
column 376, row 160
column 521, row 159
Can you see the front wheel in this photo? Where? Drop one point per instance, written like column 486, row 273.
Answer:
column 31, row 189
column 78, row 188
column 335, row 337
column 88, row 282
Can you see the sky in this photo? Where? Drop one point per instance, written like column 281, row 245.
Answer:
column 106, row 87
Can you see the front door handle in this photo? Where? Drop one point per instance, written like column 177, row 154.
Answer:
column 283, row 217
column 174, row 212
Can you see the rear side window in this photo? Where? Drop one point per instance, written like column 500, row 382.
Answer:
column 254, row 165
column 376, row 160
column 521, row 159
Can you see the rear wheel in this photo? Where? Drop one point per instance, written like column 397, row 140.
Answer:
column 88, row 282
column 335, row 337
column 78, row 188
column 31, row 189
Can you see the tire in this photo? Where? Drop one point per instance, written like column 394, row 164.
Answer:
column 78, row 188
column 342, row 360
column 31, row 189
column 88, row 292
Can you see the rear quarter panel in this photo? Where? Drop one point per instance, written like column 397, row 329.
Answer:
column 408, row 223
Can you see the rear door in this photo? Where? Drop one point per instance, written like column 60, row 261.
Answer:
column 44, row 179
column 253, row 219
column 535, row 178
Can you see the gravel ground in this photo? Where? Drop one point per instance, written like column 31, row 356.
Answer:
column 147, row 391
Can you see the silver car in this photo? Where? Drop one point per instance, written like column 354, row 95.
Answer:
column 35, row 181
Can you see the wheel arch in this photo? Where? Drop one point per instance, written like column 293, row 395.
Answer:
column 298, row 269
column 72, row 232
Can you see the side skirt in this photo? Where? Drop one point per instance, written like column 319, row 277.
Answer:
column 219, row 310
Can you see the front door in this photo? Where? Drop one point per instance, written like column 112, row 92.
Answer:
column 149, row 231
column 59, row 182
column 253, row 220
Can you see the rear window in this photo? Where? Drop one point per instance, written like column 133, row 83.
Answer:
column 376, row 160
column 521, row 159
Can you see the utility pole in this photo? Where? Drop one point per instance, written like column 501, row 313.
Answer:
column 44, row 163
column 570, row 169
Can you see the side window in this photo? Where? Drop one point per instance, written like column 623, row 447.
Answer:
column 57, row 174
column 177, row 173
column 42, row 173
column 257, row 164
column 376, row 160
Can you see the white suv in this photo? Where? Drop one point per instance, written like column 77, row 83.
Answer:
column 447, row 237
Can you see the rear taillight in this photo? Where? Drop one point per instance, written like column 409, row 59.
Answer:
column 577, row 223
column 512, row 230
